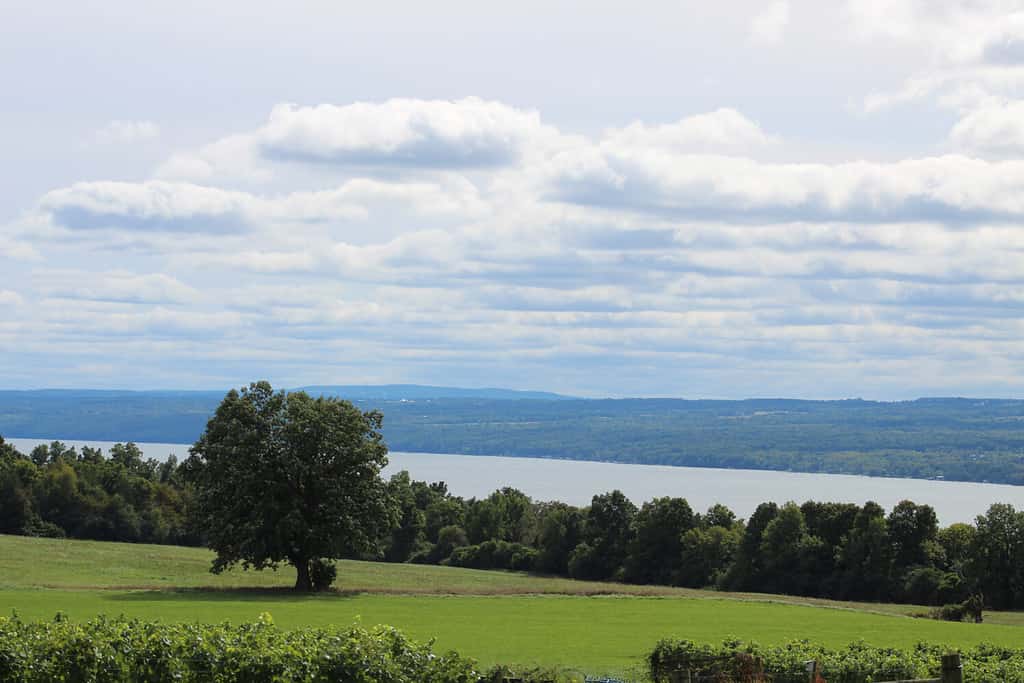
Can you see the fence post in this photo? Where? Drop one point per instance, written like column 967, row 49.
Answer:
column 952, row 671
column 811, row 667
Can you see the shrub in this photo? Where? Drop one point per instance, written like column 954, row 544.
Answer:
column 42, row 529
column 448, row 539
column 123, row 651
column 583, row 563
column 856, row 663
column 503, row 674
column 322, row 573
column 494, row 555
column 970, row 609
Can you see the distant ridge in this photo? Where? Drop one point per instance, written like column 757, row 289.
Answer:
column 965, row 439
column 419, row 392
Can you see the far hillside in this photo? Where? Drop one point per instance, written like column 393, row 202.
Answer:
column 951, row 438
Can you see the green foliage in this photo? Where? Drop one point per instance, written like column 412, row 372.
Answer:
column 285, row 477
column 408, row 534
column 656, row 545
column 706, row 554
column 505, row 515
column 932, row 586
column 119, row 650
column 494, row 555
column 520, row 674
column 997, row 556
column 322, row 573
column 560, row 529
column 856, row 663
column 608, row 531
column 58, row 492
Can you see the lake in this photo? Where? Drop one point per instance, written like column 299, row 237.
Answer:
column 575, row 481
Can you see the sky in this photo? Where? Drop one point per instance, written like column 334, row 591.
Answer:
column 724, row 200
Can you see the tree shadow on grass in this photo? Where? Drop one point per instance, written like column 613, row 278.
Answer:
column 281, row 595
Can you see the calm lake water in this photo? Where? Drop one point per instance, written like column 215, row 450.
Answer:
column 574, row 481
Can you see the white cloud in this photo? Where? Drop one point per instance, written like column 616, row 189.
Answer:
column 723, row 130
column 768, row 26
column 178, row 207
column 949, row 188
column 119, row 132
column 427, row 133
column 17, row 249
column 971, row 48
column 234, row 158
column 995, row 129
column 116, row 286
column 152, row 205
column 397, row 134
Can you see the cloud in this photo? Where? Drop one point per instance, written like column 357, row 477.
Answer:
column 117, row 287
column 119, row 132
column 768, row 26
column 680, row 251
column 234, row 158
column 722, row 130
column 952, row 189
column 149, row 206
column 972, row 47
column 995, row 129
column 424, row 133
column 955, row 31
column 396, row 134
column 15, row 248
column 179, row 207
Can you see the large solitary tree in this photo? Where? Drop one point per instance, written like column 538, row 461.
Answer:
column 284, row 477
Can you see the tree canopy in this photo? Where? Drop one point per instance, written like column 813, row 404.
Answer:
column 283, row 477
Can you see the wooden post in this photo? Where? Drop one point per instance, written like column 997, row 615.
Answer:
column 812, row 670
column 952, row 671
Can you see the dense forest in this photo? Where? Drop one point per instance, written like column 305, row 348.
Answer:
column 955, row 439
column 836, row 550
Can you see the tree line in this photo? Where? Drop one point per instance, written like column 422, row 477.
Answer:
column 834, row 550
column 287, row 478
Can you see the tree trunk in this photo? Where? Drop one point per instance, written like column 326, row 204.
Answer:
column 303, row 581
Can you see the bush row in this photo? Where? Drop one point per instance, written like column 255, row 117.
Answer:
column 133, row 651
column 856, row 663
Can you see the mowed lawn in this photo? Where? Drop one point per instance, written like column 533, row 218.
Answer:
column 493, row 616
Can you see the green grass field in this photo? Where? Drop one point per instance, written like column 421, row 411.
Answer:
column 493, row 616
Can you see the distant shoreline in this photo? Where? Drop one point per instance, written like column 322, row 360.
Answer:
column 575, row 481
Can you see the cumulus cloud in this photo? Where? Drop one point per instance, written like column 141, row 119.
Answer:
column 126, row 132
column 151, row 205
column 950, row 188
column 430, row 133
column 396, row 134
column 722, row 130
column 180, row 207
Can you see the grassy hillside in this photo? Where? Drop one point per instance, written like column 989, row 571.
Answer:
column 494, row 616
